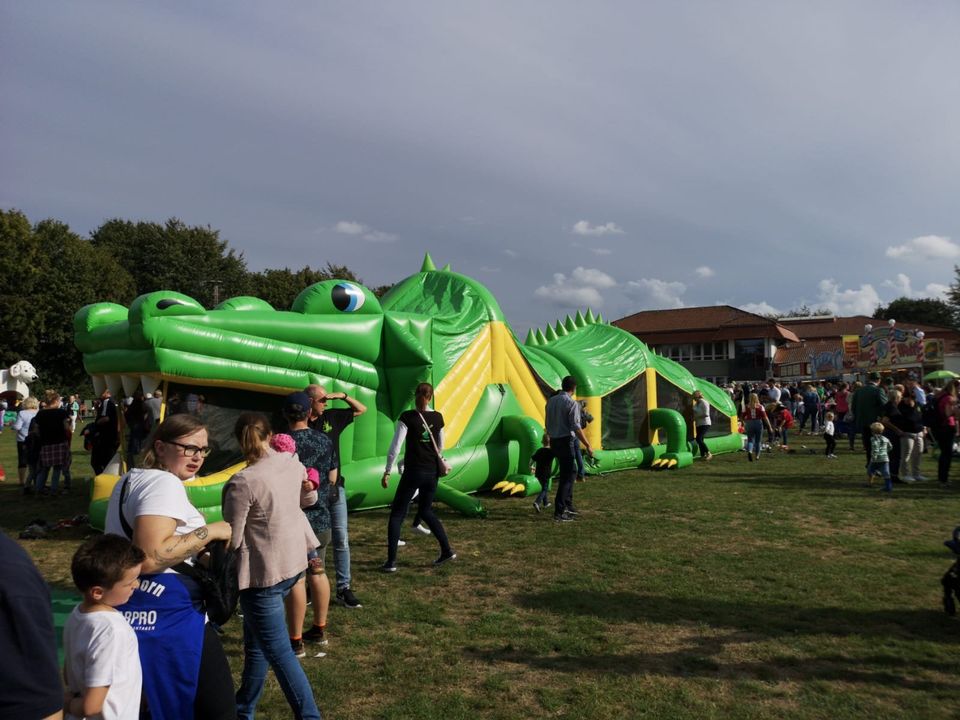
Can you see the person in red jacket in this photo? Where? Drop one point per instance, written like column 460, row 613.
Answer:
column 783, row 421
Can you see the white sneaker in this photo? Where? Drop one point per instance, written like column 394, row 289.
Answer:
column 422, row 528
column 908, row 479
column 920, row 478
column 401, row 543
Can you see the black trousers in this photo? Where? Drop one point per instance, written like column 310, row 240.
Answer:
column 215, row 694
column 944, row 438
column 567, row 463
column 412, row 480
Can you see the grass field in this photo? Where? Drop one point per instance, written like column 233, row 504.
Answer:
column 778, row 589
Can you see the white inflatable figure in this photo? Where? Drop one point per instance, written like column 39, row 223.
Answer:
column 17, row 377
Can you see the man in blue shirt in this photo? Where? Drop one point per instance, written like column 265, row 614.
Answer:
column 564, row 428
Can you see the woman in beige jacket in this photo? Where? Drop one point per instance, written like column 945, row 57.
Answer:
column 272, row 537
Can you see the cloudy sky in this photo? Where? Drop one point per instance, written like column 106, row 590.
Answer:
column 619, row 155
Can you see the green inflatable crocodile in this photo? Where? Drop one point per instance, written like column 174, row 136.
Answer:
column 436, row 326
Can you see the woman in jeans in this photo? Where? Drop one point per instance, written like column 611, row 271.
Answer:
column 754, row 418
column 272, row 536
column 423, row 431
column 185, row 671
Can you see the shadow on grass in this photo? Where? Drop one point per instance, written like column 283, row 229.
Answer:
column 757, row 619
column 746, row 622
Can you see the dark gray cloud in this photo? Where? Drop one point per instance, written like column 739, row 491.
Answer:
column 784, row 148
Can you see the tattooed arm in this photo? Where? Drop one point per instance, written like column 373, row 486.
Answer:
column 155, row 535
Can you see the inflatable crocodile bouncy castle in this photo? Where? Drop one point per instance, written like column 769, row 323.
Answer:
column 436, row 326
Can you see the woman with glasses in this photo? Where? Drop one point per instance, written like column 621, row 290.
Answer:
column 185, row 670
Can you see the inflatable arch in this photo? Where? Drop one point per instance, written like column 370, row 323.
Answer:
column 436, row 326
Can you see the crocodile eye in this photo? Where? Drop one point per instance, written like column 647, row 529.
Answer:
column 347, row 297
column 168, row 302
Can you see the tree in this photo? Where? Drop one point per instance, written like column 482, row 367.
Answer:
column 925, row 311
column 281, row 287
column 174, row 256
column 57, row 273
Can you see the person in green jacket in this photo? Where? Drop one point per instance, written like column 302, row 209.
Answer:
column 867, row 406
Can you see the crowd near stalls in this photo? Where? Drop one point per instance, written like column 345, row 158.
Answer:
column 912, row 416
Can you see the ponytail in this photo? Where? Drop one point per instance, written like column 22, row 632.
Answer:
column 252, row 431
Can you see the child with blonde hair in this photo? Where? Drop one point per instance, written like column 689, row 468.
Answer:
column 828, row 436
column 879, row 457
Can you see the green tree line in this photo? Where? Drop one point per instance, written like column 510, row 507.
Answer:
column 53, row 272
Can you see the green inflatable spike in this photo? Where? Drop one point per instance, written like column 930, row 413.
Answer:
column 541, row 338
column 570, row 325
column 531, row 338
column 600, row 319
column 551, row 334
column 580, row 320
column 560, row 329
column 427, row 263
column 446, row 268
column 591, row 320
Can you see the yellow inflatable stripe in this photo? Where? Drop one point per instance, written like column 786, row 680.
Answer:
column 532, row 401
column 592, row 431
column 459, row 392
column 103, row 484
column 651, row 378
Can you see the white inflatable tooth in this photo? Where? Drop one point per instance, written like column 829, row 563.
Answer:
column 150, row 383
column 99, row 384
column 130, row 384
column 115, row 384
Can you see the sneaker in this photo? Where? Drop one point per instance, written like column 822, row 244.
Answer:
column 749, row 456
column 548, row 504
column 388, row 567
column 445, row 557
column 536, row 506
column 316, row 636
column 422, row 528
column 346, row 598
column 908, row 479
column 298, row 649
column 401, row 543
column 572, row 511
column 563, row 517
column 920, row 478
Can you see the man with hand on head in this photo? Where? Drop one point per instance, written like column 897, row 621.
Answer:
column 332, row 422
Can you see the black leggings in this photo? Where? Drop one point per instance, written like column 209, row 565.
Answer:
column 413, row 479
column 944, row 438
column 216, row 697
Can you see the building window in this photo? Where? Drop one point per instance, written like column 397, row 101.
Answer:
column 710, row 351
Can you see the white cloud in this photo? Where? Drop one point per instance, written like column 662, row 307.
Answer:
column 902, row 287
column 582, row 227
column 926, row 247
column 510, row 253
column 592, row 277
column 760, row 308
column 847, row 302
column 657, row 294
column 348, row 227
column 567, row 293
column 704, row 272
column 351, row 227
column 600, row 251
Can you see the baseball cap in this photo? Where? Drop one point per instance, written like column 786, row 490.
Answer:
column 298, row 402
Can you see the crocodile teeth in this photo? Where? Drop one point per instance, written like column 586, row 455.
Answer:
column 115, row 384
column 500, row 485
column 672, row 463
column 99, row 384
column 656, row 463
column 517, row 489
column 150, row 383
column 130, row 384
column 508, row 487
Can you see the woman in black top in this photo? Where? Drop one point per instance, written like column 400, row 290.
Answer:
column 53, row 425
column 423, row 431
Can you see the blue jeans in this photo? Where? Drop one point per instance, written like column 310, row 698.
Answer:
column 754, row 430
column 41, row 478
column 266, row 643
column 341, row 539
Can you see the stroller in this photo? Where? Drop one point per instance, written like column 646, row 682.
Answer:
column 951, row 579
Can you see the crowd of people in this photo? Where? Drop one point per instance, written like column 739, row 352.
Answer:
column 140, row 638
column 898, row 419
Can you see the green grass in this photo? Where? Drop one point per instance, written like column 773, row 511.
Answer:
column 779, row 589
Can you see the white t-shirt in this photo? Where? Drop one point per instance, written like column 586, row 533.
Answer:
column 701, row 412
column 100, row 649
column 773, row 394
column 153, row 492
column 828, row 427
